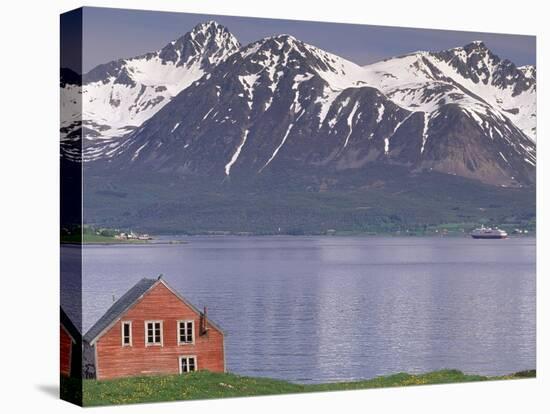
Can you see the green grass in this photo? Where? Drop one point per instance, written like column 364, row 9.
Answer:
column 204, row 385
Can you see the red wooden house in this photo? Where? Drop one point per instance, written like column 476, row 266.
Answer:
column 151, row 329
column 70, row 346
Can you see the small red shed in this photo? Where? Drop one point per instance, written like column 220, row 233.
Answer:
column 151, row 330
column 70, row 344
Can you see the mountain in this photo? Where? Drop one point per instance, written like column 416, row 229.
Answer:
column 117, row 97
column 280, row 103
column 240, row 116
column 468, row 75
column 281, row 134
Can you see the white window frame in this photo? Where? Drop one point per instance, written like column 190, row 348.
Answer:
column 187, row 357
column 122, row 325
column 186, row 321
column 147, row 343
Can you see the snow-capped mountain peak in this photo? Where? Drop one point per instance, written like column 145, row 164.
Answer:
column 208, row 43
column 470, row 75
column 284, row 52
column 118, row 96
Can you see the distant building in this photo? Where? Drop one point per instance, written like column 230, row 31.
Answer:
column 70, row 347
column 151, row 329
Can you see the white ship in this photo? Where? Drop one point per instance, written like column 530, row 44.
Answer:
column 488, row 233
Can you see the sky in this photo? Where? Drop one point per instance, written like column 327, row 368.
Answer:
column 111, row 34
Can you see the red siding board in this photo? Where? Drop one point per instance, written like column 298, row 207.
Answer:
column 65, row 344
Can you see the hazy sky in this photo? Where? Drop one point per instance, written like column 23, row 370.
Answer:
column 115, row 33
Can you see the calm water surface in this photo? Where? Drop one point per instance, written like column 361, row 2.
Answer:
column 316, row 309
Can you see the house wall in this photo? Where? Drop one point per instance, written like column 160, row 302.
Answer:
column 65, row 344
column 114, row 360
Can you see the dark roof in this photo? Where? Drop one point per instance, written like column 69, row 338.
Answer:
column 69, row 326
column 119, row 307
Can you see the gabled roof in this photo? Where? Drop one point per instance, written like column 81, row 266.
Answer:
column 69, row 326
column 129, row 299
column 118, row 308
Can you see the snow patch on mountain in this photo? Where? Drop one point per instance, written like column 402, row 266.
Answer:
column 427, row 117
column 235, row 155
column 278, row 147
column 350, row 123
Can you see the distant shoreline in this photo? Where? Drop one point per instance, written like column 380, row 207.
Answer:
column 122, row 243
column 160, row 242
column 365, row 235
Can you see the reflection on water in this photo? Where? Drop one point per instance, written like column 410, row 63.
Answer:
column 315, row 309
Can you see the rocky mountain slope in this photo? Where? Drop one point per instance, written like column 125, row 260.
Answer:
column 279, row 103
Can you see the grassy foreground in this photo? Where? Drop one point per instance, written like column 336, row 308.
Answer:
column 204, row 384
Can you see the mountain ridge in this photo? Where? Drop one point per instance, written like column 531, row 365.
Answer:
column 296, row 103
column 280, row 98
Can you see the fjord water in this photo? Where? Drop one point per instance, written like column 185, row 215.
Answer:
column 319, row 309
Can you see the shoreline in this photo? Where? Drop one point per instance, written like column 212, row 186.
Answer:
column 158, row 242
column 358, row 235
column 144, row 243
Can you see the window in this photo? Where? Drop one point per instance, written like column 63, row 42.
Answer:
column 126, row 333
column 186, row 334
column 153, row 333
column 188, row 364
